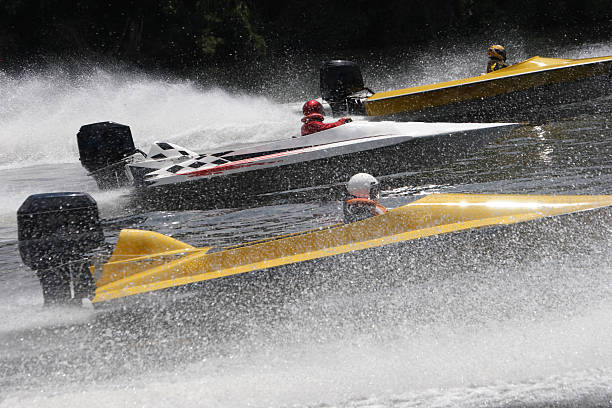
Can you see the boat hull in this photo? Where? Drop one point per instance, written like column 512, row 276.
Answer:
column 572, row 240
column 137, row 266
column 333, row 168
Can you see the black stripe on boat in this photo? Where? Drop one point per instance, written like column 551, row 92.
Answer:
column 175, row 168
column 164, row 146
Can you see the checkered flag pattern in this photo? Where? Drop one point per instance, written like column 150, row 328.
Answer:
column 203, row 161
column 164, row 150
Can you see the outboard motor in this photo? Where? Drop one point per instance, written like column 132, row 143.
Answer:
column 103, row 149
column 56, row 230
column 342, row 87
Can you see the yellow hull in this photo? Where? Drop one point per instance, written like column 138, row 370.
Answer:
column 533, row 73
column 145, row 261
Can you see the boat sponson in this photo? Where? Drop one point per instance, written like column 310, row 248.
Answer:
column 434, row 215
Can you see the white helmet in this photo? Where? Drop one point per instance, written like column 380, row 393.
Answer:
column 363, row 185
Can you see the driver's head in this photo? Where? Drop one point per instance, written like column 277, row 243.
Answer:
column 363, row 185
column 497, row 52
column 313, row 106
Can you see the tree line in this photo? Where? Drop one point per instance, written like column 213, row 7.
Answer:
column 181, row 35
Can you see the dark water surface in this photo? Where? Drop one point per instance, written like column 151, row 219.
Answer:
column 474, row 330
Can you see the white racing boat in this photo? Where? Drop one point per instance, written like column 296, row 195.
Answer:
column 173, row 173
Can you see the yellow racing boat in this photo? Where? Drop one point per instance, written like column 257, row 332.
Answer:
column 436, row 228
column 531, row 89
column 145, row 261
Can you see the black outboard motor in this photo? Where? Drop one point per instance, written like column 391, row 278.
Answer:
column 56, row 230
column 340, row 81
column 103, row 148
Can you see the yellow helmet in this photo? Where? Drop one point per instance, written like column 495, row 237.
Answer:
column 497, row 52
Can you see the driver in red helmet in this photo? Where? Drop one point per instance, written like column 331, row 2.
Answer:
column 313, row 118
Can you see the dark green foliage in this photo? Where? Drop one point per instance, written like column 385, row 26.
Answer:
column 166, row 32
column 182, row 35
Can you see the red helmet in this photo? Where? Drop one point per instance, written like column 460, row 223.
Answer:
column 313, row 107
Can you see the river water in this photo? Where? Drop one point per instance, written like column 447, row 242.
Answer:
column 517, row 333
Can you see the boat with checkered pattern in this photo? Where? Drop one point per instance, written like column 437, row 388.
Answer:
column 325, row 157
column 180, row 178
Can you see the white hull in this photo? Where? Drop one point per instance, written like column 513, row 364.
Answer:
column 343, row 140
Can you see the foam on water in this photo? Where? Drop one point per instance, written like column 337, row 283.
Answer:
column 42, row 112
column 496, row 364
column 25, row 311
column 21, row 182
column 497, row 336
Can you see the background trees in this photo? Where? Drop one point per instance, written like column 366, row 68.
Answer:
column 183, row 35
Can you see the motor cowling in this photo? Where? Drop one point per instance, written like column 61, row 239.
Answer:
column 103, row 148
column 340, row 80
column 55, row 232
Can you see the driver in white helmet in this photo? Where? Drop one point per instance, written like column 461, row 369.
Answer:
column 362, row 198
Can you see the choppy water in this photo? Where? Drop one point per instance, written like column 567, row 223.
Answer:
column 516, row 333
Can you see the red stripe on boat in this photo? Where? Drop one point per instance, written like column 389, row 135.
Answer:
column 253, row 161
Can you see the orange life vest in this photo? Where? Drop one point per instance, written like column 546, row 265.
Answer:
column 357, row 209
